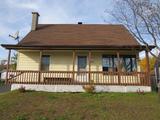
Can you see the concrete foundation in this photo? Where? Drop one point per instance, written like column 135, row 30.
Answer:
column 79, row 88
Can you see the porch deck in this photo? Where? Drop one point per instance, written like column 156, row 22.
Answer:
column 78, row 78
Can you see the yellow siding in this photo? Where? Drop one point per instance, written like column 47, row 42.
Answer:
column 61, row 60
column 28, row 60
column 96, row 62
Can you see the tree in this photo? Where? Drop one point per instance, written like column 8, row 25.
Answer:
column 142, row 18
column 2, row 67
column 143, row 63
column 14, row 61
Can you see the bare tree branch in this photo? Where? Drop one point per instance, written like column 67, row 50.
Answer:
column 142, row 18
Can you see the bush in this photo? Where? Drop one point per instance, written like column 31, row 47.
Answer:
column 89, row 88
column 43, row 118
column 22, row 89
column 141, row 92
column 21, row 117
column 2, row 82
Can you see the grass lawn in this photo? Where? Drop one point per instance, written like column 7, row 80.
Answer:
column 78, row 106
column 1, row 82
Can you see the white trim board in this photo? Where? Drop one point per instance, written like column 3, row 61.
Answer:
column 79, row 88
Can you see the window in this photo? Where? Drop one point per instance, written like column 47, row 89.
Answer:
column 109, row 63
column 45, row 62
column 82, row 63
column 127, row 63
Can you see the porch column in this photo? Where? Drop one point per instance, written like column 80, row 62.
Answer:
column 73, row 60
column 147, row 67
column 40, row 61
column 137, row 63
column 8, row 63
column 89, row 63
column 118, row 60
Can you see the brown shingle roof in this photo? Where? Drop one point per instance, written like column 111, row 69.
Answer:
column 79, row 35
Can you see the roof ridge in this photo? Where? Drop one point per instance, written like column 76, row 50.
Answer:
column 84, row 24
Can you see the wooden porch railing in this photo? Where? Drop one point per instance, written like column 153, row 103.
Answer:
column 78, row 78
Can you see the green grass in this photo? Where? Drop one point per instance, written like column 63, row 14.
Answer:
column 78, row 106
column 1, row 82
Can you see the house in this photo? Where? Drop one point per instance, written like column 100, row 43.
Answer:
column 2, row 75
column 3, row 62
column 2, row 70
column 65, row 57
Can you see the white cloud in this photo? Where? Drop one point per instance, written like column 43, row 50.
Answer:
column 29, row 4
column 4, row 29
column 16, row 14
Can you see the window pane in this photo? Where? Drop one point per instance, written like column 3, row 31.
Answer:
column 134, row 64
column 82, row 62
column 115, row 64
column 107, row 63
column 125, row 64
column 122, row 64
column 128, row 63
column 45, row 63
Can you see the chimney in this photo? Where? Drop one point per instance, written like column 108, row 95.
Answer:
column 35, row 16
column 79, row 23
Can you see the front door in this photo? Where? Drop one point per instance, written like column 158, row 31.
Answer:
column 82, row 76
column 82, row 63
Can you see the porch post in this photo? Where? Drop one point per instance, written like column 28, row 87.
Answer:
column 73, row 69
column 8, row 63
column 39, row 72
column 147, row 67
column 118, row 60
column 89, row 63
column 137, row 62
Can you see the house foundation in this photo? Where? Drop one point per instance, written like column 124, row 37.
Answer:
column 79, row 88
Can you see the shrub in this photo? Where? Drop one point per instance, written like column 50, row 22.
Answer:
column 140, row 92
column 1, row 82
column 43, row 118
column 89, row 88
column 22, row 89
column 21, row 117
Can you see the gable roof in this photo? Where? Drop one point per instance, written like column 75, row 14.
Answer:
column 79, row 35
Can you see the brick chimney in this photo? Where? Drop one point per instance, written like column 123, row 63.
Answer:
column 80, row 23
column 35, row 16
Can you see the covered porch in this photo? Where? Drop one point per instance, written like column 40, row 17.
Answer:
column 79, row 76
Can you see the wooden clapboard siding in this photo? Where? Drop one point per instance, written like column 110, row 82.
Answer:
column 28, row 60
column 63, row 60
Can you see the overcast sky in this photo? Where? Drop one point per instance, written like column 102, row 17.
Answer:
column 16, row 15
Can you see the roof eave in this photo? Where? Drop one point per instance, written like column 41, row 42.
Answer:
column 72, row 47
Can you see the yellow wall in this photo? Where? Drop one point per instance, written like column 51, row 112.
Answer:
column 61, row 60
column 28, row 60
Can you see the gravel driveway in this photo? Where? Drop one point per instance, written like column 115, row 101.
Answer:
column 5, row 88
